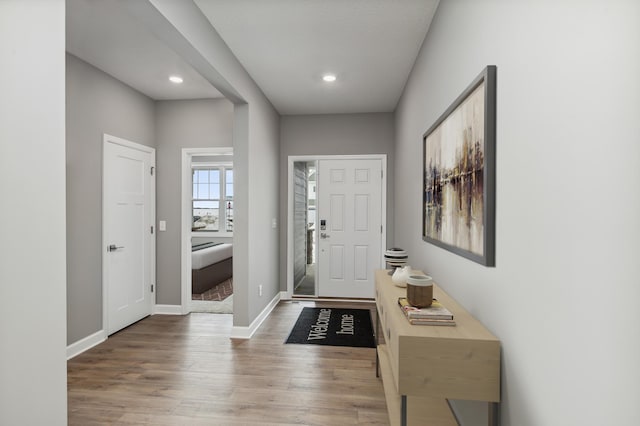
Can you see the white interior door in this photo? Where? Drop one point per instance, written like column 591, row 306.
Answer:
column 349, row 226
column 128, row 236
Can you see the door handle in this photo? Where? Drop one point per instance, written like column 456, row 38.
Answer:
column 324, row 235
column 113, row 247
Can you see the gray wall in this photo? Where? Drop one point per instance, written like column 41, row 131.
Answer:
column 33, row 373
column 181, row 124
column 567, row 199
column 255, row 146
column 333, row 134
column 262, row 208
column 96, row 104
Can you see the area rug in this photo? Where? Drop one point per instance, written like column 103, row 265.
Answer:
column 217, row 293
column 212, row 307
column 333, row 327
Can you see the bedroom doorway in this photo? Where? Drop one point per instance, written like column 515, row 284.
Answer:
column 207, row 230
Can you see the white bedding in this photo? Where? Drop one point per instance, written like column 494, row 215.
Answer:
column 208, row 256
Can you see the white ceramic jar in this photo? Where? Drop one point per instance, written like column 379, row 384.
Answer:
column 401, row 275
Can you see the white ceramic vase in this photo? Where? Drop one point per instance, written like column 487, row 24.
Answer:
column 400, row 276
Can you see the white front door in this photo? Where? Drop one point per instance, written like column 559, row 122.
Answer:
column 349, row 226
column 128, row 236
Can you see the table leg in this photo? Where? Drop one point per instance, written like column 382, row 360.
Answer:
column 377, row 336
column 403, row 410
column 494, row 414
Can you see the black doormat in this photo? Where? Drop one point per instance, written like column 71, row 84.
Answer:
column 333, row 327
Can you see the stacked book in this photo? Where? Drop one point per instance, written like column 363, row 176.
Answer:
column 436, row 314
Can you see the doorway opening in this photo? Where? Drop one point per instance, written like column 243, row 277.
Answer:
column 207, row 230
column 304, row 238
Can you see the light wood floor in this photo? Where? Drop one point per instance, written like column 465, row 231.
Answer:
column 185, row 370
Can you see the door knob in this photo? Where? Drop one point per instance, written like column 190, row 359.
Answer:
column 113, row 247
column 324, row 235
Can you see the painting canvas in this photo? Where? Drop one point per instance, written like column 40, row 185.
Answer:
column 459, row 174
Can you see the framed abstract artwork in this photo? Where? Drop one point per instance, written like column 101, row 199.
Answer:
column 459, row 174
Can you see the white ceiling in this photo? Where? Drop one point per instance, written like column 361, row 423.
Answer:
column 101, row 33
column 285, row 45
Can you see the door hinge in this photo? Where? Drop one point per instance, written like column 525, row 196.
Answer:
column 381, row 229
column 152, row 170
column 152, row 229
column 151, row 288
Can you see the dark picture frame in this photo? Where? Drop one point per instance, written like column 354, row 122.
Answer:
column 459, row 165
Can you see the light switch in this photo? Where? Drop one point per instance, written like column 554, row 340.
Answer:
column 162, row 225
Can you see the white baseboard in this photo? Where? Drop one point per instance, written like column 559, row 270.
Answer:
column 98, row 337
column 238, row 332
column 167, row 309
column 85, row 344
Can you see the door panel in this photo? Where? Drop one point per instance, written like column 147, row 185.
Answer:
column 360, row 264
column 337, row 213
column 337, row 262
column 361, row 212
column 350, row 203
column 128, row 217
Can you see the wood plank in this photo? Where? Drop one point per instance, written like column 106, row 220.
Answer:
column 186, row 370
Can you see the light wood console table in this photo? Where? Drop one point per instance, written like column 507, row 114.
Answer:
column 422, row 367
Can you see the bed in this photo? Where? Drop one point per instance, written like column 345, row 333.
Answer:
column 211, row 264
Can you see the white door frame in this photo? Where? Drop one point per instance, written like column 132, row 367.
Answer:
column 152, row 246
column 186, row 219
column 294, row 158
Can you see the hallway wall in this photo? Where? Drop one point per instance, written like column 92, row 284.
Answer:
column 33, row 373
column 255, row 145
column 96, row 103
column 564, row 292
column 199, row 123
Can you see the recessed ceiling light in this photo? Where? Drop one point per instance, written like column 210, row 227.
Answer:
column 175, row 79
column 329, row 78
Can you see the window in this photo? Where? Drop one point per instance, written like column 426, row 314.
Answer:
column 212, row 198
